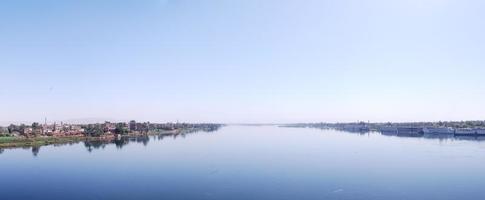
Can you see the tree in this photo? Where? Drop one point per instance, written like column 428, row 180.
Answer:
column 121, row 129
column 12, row 128
column 94, row 130
column 35, row 125
column 36, row 128
column 22, row 128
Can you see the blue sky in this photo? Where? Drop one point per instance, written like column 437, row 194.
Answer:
column 242, row 61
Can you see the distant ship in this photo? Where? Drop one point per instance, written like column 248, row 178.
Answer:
column 469, row 132
column 438, row 130
column 410, row 131
column 388, row 130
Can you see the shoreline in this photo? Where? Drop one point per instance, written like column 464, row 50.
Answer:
column 23, row 142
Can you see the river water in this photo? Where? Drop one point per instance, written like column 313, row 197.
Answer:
column 250, row 162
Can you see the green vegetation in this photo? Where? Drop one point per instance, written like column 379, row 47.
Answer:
column 7, row 139
column 39, row 141
column 94, row 130
column 121, row 129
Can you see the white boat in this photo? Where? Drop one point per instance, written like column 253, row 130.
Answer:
column 480, row 131
column 409, row 131
column 438, row 130
column 465, row 132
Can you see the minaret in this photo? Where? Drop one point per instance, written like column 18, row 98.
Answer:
column 44, row 127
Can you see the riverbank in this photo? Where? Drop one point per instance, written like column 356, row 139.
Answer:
column 13, row 142
column 20, row 142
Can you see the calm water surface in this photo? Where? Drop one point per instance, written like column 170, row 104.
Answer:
column 243, row 162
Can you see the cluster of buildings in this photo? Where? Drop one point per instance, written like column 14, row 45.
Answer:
column 45, row 129
column 106, row 128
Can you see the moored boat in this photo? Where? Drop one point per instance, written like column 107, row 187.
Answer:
column 388, row 130
column 438, row 130
column 465, row 132
column 410, row 131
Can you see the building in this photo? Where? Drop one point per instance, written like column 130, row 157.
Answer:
column 132, row 125
column 27, row 131
column 109, row 127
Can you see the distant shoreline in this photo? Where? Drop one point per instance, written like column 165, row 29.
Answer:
column 457, row 129
column 19, row 142
column 43, row 140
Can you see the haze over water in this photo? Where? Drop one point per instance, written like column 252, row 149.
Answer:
column 251, row 162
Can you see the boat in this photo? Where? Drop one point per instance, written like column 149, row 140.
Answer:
column 387, row 130
column 480, row 131
column 468, row 132
column 438, row 130
column 410, row 131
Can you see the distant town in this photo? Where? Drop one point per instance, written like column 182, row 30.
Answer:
column 410, row 129
column 37, row 134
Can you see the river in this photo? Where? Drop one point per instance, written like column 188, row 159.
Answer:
column 250, row 162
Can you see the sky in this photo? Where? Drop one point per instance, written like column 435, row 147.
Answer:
column 242, row 61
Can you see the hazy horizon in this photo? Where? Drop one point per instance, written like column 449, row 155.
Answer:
column 112, row 120
column 242, row 61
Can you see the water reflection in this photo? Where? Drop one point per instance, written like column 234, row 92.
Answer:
column 35, row 150
column 120, row 142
